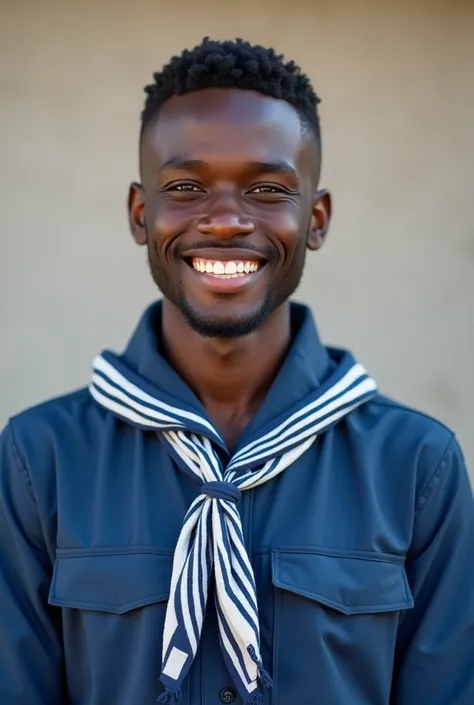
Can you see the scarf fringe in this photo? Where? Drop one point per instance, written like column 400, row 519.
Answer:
column 264, row 678
column 169, row 697
column 265, row 681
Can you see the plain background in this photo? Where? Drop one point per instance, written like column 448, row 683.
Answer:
column 395, row 281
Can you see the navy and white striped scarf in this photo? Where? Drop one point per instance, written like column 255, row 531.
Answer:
column 211, row 539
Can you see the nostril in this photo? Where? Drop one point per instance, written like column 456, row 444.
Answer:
column 226, row 225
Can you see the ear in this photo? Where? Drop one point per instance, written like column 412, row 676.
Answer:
column 136, row 213
column 320, row 219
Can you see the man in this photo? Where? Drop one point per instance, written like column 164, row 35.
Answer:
column 231, row 512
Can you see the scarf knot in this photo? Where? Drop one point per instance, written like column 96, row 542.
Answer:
column 221, row 490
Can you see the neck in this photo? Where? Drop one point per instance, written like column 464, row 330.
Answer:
column 229, row 376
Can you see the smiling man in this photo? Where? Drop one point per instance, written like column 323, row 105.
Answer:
column 231, row 511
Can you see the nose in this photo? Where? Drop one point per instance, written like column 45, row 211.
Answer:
column 225, row 221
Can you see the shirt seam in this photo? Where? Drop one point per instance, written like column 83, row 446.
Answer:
column 20, row 464
column 393, row 404
column 433, row 480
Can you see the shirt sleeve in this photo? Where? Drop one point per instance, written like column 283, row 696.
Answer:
column 435, row 648
column 31, row 662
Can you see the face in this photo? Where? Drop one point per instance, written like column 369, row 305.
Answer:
column 227, row 207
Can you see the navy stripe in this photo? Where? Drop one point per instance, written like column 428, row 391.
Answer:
column 293, row 440
column 161, row 396
column 235, row 648
column 123, row 415
column 203, row 589
column 189, row 579
column 277, row 439
column 238, row 557
column 249, row 618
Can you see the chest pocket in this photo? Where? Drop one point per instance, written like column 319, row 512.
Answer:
column 336, row 618
column 113, row 608
column 114, row 582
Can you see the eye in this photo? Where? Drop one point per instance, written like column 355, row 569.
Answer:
column 267, row 188
column 185, row 188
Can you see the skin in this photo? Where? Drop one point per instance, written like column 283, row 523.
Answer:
column 233, row 174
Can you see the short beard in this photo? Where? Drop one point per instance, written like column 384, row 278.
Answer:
column 208, row 326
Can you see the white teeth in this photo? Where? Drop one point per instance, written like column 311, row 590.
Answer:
column 231, row 268
column 226, row 270
column 218, row 268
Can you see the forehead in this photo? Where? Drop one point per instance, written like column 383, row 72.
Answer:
column 225, row 126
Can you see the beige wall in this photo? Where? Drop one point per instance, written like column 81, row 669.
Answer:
column 396, row 282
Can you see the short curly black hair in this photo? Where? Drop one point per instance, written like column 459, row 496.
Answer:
column 233, row 64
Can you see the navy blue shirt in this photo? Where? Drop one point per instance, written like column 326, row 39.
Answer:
column 362, row 552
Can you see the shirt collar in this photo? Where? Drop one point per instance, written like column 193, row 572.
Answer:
column 305, row 367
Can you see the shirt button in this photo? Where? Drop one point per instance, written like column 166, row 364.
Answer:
column 228, row 695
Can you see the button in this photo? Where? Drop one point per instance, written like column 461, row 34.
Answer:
column 228, row 695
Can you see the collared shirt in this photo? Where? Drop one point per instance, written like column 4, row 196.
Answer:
column 362, row 552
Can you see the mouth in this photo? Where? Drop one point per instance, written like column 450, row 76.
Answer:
column 224, row 271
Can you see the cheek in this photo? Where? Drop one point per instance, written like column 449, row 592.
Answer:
column 165, row 223
column 290, row 225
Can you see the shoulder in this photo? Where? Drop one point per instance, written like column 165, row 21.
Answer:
column 411, row 442
column 407, row 424
column 42, row 430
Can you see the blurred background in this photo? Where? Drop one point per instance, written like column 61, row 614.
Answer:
column 395, row 281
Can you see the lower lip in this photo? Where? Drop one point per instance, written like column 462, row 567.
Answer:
column 226, row 285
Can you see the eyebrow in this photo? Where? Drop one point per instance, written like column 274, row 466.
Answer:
column 257, row 167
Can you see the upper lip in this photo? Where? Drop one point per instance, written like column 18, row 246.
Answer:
column 225, row 254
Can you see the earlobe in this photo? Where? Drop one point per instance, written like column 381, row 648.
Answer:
column 320, row 219
column 136, row 214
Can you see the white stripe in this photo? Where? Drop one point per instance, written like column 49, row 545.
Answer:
column 103, row 366
column 208, row 471
column 237, row 544
column 185, row 607
column 120, row 410
column 202, row 563
column 285, row 461
column 234, row 618
column 198, row 609
column 101, row 383
column 308, row 420
column 249, row 680
column 353, row 374
column 308, row 425
column 183, row 452
column 179, row 559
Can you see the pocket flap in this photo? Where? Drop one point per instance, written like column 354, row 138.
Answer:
column 110, row 581
column 349, row 583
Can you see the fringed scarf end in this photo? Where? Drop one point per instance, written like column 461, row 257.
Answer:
column 264, row 678
column 169, row 698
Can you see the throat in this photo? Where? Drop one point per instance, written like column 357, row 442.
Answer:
column 230, row 376
column 230, row 421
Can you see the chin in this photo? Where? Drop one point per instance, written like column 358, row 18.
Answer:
column 210, row 324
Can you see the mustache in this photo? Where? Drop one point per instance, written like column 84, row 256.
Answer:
column 235, row 244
